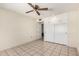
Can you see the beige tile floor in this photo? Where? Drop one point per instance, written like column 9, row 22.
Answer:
column 40, row 48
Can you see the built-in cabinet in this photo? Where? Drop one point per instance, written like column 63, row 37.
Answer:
column 56, row 32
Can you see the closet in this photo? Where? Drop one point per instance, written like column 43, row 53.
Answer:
column 56, row 31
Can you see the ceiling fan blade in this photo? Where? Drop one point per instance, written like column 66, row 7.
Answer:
column 37, row 12
column 31, row 5
column 43, row 9
column 30, row 11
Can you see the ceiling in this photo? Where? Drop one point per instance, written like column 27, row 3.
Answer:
column 54, row 8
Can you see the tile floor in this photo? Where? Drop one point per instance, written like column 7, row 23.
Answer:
column 40, row 48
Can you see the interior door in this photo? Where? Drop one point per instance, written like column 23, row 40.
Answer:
column 61, row 38
column 48, row 32
column 61, row 34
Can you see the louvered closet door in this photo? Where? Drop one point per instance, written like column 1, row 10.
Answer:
column 61, row 34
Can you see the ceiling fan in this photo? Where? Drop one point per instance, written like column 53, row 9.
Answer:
column 36, row 8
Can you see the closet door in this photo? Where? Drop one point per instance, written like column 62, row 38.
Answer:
column 61, row 38
column 48, row 32
column 61, row 34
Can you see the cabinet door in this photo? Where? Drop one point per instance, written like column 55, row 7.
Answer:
column 48, row 32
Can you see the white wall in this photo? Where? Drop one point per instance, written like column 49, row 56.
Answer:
column 74, row 28
column 16, row 29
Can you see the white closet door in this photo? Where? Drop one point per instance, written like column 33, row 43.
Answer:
column 61, row 34
column 48, row 32
column 56, row 32
column 60, row 28
column 61, row 38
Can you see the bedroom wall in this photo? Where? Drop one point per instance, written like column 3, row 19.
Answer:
column 73, row 28
column 16, row 29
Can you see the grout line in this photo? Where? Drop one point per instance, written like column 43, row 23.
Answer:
column 6, row 53
column 60, row 50
column 68, row 51
column 54, row 49
column 17, row 52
